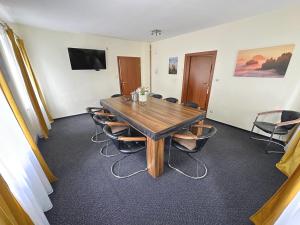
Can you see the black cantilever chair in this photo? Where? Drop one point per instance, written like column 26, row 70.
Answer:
column 116, row 95
column 288, row 120
column 158, row 96
column 125, row 143
column 91, row 111
column 99, row 119
column 185, row 141
column 170, row 99
column 192, row 105
column 118, row 129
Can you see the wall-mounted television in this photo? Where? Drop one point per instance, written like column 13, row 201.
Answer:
column 87, row 59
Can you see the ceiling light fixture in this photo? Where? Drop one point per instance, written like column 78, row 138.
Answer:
column 156, row 32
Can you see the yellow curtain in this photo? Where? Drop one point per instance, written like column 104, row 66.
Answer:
column 11, row 212
column 33, row 77
column 272, row 209
column 28, row 84
column 21, row 121
column 291, row 159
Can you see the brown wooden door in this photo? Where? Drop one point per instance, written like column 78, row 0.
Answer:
column 197, row 78
column 129, row 74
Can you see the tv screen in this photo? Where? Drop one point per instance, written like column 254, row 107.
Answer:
column 87, row 59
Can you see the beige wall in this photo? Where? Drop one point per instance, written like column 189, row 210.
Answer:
column 69, row 92
column 235, row 100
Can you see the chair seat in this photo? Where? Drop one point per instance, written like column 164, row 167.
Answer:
column 117, row 129
column 184, row 144
column 131, row 147
column 269, row 127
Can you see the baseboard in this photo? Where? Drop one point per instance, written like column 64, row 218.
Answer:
column 64, row 117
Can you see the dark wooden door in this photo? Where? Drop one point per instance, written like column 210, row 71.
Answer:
column 197, row 78
column 129, row 74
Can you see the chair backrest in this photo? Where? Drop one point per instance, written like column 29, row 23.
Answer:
column 206, row 134
column 116, row 95
column 288, row 115
column 114, row 136
column 101, row 120
column 107, row 130
column 173, row 100
column 192, row 105
column 91, row 110
column 157, row 96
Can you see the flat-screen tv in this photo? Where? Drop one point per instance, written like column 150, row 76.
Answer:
column 87, row 59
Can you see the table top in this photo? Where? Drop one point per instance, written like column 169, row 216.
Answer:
column 156, row 118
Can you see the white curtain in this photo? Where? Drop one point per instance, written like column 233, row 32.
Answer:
column 14, row 78
column 20, row 168
column 291, row 215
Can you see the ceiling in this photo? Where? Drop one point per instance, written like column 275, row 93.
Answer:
column 133, row 19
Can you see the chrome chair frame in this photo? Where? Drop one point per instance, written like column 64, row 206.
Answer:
column 121, row 138
column 198, row 161
column 105, row 147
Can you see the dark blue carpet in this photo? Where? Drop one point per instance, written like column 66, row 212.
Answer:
column 240, row 179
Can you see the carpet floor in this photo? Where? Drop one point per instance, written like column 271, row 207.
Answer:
column 241, row 177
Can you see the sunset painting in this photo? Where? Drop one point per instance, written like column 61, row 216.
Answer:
column 264, row 62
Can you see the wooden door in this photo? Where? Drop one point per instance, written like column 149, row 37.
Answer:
column 129, row 74
column 198, row 77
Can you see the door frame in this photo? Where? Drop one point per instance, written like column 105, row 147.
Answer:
column 186, row 72
column 119, row 69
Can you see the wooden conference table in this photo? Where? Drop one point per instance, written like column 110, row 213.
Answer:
column 156, row 119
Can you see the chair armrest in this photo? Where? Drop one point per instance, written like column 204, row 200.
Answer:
column 104, row 114
column 202, row 125
column 132, row 138
column 291, row 122
column 116, row 124
column 185, row 136
column 269, row 112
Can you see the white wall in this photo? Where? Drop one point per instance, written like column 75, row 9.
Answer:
column 235, row 100
column 69, row 92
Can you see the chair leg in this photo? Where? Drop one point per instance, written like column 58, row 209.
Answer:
column 251, row 132
column 198, row 161
column 94, row 138
column 272, row 151
column 105, row 147
column 126, row 176
column 269, row 141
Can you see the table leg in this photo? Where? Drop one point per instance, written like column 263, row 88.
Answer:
column 198, row 130
column 155, row 156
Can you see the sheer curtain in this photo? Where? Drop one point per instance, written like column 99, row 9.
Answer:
column 20, row 169
column 12, row 72
column 291, row 215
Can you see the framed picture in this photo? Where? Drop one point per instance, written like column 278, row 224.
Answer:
column 173, row 62
column 264, row 62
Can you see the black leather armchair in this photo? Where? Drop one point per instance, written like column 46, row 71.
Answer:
column 185, row 141
column 116, row 95
column 288, row 119
column 170, row 99
column 98, row 132
column 158, row 96
column 125, row 142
